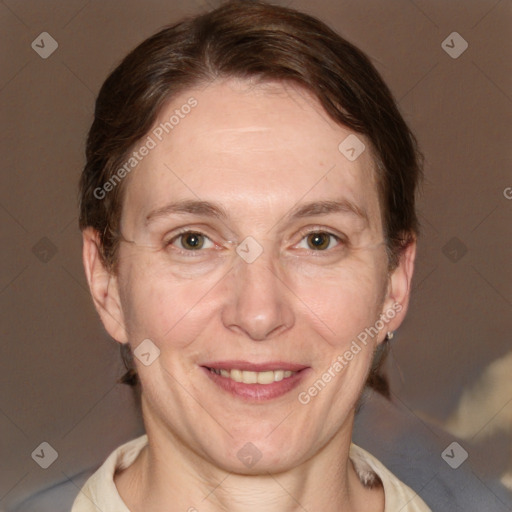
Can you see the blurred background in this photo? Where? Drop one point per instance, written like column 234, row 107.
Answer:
column 449, row 67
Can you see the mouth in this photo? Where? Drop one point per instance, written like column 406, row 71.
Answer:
column 255, row 382
column 254, row 377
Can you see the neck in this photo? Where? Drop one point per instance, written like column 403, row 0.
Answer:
column 168, row 471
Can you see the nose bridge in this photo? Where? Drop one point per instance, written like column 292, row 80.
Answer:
column 260, row 273
column 260, row 304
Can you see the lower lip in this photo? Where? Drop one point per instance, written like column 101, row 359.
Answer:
column 257, row 392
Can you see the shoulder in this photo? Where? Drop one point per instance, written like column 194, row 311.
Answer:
column 412, row 449
column 100, row 492
column 398, row 495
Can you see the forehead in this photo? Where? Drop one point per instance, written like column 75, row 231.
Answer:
column 256, row 148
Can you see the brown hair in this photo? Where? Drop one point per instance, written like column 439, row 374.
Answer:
column 262, row 42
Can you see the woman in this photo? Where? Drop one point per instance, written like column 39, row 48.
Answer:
column 247, row 209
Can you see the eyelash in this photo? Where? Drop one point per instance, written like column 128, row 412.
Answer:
column 190, row 253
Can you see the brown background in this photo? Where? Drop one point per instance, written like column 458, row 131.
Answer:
column 58, row 365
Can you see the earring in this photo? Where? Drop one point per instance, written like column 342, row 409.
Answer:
column 389, row 335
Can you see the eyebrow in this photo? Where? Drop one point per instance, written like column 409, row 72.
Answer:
column 215, row 210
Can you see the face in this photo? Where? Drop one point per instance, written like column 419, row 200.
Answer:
column 254, row 262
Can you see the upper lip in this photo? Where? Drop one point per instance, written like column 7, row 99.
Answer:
column 255, row 367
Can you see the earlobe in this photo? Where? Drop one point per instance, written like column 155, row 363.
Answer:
column 103, row 286
column 399, row 288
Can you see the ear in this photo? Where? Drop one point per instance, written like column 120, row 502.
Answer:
column 399, row 290
column 103, row 286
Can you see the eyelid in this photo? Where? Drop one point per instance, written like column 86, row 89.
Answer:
column 340, row 237
column 183, row 231
column 322, row 229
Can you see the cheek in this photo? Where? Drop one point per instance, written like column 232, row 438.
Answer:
column 337, row 301
column 161, row 306
column 345, row 300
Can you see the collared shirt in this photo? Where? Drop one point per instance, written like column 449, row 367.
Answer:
column 99, row 494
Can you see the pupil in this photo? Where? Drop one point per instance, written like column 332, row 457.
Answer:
column 318, row 240
column 193, row 240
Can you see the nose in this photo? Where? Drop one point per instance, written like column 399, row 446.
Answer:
column 258, row 301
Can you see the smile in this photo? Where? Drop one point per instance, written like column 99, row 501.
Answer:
column 248, row 377
column 255, row 382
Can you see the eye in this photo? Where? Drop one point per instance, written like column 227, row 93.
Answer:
column 191, row 241
column 319, row 241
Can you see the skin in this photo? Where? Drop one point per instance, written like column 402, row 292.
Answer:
column 259, row 151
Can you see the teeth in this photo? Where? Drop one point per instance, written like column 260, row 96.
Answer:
column 254, row 377
column 236, row 375
column 265, row 377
